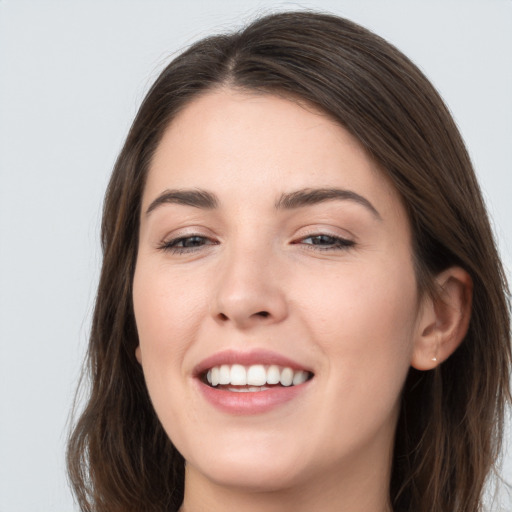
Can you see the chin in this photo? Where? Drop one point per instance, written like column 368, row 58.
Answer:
column 254, row 476
column 257, row 467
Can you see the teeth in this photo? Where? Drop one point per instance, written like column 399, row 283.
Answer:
column 248, row 389
column 286, row 377
column 299, row 378
column 238, row 375
column 254, row 377
column 215, row 376
column 273, row 374
column 224, row 374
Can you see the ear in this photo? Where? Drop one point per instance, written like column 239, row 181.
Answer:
column 138, row 354
column 443, row 320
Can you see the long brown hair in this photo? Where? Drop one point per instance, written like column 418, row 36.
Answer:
column 450, row 427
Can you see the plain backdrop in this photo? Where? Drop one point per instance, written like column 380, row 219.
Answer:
column 72, row 74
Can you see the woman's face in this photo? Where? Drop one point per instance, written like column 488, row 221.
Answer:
column 273, row 248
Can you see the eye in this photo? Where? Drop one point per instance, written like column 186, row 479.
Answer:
column 184, row 244
column 325, row 242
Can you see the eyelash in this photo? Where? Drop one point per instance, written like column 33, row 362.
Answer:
column 334, row 243
column 172, row 245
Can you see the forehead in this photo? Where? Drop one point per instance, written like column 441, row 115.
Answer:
column 247, row 146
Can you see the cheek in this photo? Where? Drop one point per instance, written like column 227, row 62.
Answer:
column 364, row 320
column 364, row 324
column 366, row 304
column 167, row 313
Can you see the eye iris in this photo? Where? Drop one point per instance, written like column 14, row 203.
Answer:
column 192, row 241
column 322, row 240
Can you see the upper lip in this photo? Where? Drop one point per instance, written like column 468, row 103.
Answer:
column 265, row 357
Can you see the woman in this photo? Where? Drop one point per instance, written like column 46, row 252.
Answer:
column 301, row 304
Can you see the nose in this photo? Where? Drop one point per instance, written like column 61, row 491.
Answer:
column 250, row 290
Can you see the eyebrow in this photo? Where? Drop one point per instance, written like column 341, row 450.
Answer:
column 194, row 197
column 312, row 196
column 288, row 201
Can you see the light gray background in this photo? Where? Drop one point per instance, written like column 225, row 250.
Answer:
column 72, row 74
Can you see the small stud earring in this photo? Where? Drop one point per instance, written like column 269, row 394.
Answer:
column 434, row 359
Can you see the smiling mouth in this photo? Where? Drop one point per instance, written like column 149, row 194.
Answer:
column 253, row 378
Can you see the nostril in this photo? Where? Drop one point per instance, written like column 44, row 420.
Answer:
column 223, row 317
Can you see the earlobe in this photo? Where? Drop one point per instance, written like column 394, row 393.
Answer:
column 138, row 354
column 444, row 319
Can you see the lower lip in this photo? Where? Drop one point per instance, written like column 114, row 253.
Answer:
column 251, row 402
